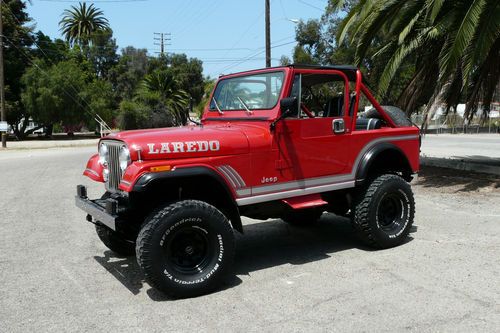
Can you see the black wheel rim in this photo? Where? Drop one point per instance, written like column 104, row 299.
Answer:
column 188, row 250
column 391, row 212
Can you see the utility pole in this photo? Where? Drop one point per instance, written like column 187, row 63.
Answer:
column 2, row 88
column 162, row 38
column 268, row 35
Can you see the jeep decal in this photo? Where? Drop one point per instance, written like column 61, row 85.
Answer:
column 183, row 147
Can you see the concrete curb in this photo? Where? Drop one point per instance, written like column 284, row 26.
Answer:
column 28, row 145
column 460, row 164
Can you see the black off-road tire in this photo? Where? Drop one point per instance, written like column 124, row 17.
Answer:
column 115, row 241
column 302, row 217
column 396, row 114
column 384, row 212
column 186, row 248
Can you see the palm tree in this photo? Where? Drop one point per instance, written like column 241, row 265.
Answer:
column 160, row 91
column 79, row 24
column 453, row 45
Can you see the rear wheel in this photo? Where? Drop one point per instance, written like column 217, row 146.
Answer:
column 186, row 248
column 384, row 212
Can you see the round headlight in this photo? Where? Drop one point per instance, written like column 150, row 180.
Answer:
column 124, row 158
column 103, row 154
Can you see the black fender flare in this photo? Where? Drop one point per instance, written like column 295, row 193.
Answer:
column 371, row 155
column 148, row 179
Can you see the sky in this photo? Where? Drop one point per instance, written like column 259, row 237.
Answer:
column 227, row 35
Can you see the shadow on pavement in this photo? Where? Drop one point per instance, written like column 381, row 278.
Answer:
column 264, row 244
column 495, row 161
column 124, row 269
column 273, row 243
column 457, row 180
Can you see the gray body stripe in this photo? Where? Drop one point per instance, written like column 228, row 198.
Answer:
column 233, row 176
column 230, row 171
column 228, row 177
column 244, row 192
column 293, row 193
column 236, row 175
column 373, row 143
column 300, row 184
column 311, row 185
column 252, row 195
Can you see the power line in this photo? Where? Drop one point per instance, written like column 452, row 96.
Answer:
column 311, row 5
column 30, row 60
column 253, row 56
column 233, row 48
column 52, row 63
column 95, row 1
column 199, row 16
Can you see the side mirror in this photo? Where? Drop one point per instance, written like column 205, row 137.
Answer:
column 289, row 104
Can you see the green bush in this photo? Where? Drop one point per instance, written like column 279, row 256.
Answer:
column 132, row 115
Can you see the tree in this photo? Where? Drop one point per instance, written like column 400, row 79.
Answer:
column 99, row 97
column 310, row 46
column 453, row 46
column 55, row 93
column 80, row 24
column 102, row 53
column 133, row 115
column 49, row 50
column 17, row 48
column 208, row 88
column 188, row 73
column 163, row 94
column 127, row 74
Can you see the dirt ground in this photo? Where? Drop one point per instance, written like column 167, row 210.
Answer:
column 448, row 181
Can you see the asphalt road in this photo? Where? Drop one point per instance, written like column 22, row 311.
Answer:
column 485, row 146
column 56, row 276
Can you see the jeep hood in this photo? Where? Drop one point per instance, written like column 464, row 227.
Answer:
column 184, row 142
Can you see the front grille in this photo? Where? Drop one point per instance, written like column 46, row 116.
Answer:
column 115, row 173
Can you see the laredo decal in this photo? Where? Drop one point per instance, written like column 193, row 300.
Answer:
column 183, row 147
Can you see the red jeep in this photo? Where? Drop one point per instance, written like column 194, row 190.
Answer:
column 284, row 142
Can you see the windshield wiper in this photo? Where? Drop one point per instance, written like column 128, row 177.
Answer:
column 217, row 106
column 245, row 106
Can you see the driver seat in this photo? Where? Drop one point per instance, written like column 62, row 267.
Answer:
column 334, row 107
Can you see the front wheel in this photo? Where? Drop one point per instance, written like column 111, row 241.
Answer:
column 185, row 249
column 115, row 241
column 384, row 212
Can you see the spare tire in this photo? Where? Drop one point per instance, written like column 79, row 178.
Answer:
column 397, row 115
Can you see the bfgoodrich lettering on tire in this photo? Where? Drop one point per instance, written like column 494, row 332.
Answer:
column 384, row 212
column 186, row 248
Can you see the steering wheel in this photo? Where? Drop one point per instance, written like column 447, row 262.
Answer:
column 304, row 108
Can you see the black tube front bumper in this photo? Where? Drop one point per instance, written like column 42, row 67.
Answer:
column 98, row 211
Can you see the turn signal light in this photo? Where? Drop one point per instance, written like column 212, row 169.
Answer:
column 160, row 168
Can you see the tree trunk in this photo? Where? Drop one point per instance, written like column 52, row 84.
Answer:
column 48, row 130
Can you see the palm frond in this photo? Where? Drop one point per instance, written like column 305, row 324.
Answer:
column 397, row 59
column 462, row 38
column 433, row 8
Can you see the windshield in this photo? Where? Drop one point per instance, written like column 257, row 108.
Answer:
column 252, row 92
